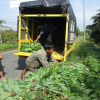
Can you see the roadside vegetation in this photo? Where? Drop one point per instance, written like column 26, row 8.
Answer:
column 95, row 28
column 77, row 79
column 89, row 55
column 8, row 38
column 8, row 47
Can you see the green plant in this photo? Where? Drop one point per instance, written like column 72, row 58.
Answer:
column 61, row 81
column 90, row 57
column 30, row 47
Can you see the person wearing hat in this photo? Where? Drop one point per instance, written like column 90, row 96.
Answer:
column 39, row 58
column 52, row 30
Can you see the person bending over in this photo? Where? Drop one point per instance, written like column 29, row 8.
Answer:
column 52, row 30
column 40, row 58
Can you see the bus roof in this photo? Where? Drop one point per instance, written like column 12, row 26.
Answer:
column 47, row 7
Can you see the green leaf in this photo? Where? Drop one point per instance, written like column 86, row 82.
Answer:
column 87, row 91
column 29, row 85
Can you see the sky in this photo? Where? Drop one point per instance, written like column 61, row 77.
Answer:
column 91, row 7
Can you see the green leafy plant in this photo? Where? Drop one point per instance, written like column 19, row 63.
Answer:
column 61, row 81
column 90, row 57
column 30, row 47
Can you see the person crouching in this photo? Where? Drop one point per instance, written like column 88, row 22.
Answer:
column 39, row 58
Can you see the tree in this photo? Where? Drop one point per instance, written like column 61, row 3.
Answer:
column 2, row 21
column 1, row 26
column 82, row 33
column 7, row 33
column 78, row 31
column 95, row 27
column 9, row 36
column 88, row 32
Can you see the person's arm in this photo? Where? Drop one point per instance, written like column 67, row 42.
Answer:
column 38, row 37
column 43, row 60
column 1, row 57
column 52, row 59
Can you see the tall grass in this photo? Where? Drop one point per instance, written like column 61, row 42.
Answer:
column 81, row 51
column 75, row 55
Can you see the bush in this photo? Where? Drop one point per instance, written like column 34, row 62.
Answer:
column 9, row 36
column 90, row 57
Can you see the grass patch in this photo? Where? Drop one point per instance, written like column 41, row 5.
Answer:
column 81, row 52
column 75, row 56
column 8, row 47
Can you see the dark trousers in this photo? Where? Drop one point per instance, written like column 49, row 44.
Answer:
column 1, row 69
column 54, row 35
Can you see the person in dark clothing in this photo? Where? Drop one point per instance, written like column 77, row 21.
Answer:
column 52, row 30
column 77, row 34
column 1, row 70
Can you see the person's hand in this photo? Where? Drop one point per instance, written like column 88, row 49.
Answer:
column 35, row 41
column 1, row 57
column 56, row 61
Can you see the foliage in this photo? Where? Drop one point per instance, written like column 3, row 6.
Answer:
column 7, row 47
column 80, row 33
column 9, row 36
column 2, row 21
column 60, row 81
column 88, row 32
column 64, row 80
column 90, row 57
column 2, row 27
column 95, row 27
column 33, row 47
column 30, row 47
